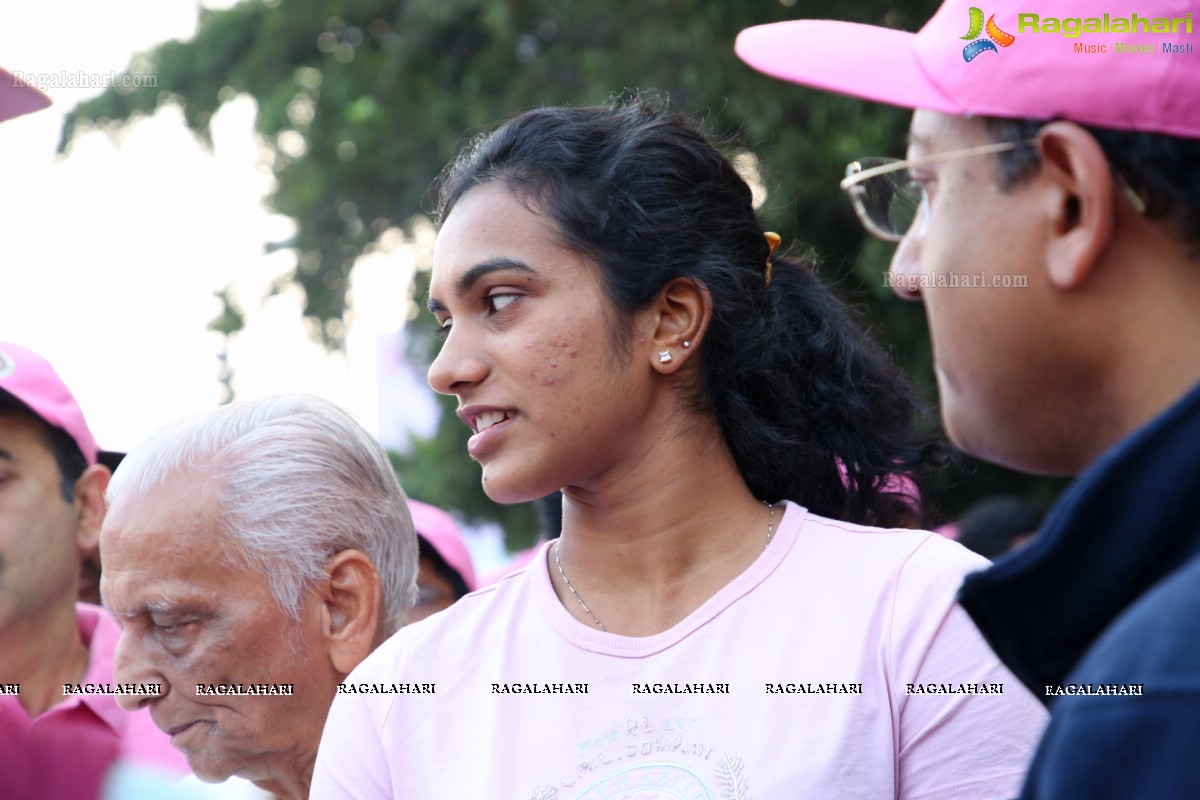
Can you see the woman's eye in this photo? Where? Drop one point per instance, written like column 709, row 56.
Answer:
column 500, row 301
column 443, row 329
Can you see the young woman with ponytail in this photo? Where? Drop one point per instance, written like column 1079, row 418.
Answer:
column 720, row 617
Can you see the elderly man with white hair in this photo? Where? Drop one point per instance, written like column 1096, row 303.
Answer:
column 254, row 555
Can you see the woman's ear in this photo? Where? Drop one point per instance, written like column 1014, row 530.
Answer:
column 681, row 316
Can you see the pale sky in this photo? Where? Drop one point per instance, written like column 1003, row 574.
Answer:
column 110, row 255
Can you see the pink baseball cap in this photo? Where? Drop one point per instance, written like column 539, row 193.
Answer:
column 1017, row 65
column 439, row 529
column 31, row 380
column 17, row 97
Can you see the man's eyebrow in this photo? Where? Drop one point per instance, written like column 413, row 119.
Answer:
column 469, row 278
column 152, row 607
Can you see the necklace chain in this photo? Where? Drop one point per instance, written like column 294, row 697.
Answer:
column 590, row 613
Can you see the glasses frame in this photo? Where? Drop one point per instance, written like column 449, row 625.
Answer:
column 859, row 176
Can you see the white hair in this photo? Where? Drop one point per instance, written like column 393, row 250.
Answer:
column 298, row 480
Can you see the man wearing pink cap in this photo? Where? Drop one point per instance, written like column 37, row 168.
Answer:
column 445, row 572
column 56, row 656
column 1055, row 147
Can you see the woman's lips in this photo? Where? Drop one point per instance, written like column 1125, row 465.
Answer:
column 483, row 441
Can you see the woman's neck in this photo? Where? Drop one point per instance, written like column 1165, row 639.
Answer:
column 646, row 553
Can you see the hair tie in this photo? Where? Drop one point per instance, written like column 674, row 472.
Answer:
column 773, row 240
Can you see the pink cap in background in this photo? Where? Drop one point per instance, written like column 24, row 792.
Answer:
column 18, row 97
column 439, row 529
column 898, row 484
column 1011, row 66
column 30, row 379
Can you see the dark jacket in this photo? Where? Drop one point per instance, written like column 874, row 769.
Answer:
column 1108, row 594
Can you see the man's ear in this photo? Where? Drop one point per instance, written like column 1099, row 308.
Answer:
column 89, row 498
column 352, row 608
column 681, row 316
column 1080, row 200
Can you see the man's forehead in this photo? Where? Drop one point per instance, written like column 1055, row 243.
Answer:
column 935, row 132
column 15, row 422
column 179, row 501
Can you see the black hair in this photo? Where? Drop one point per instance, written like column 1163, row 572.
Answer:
column 450, row 575
column 67, row 455
column 797, row 387
column 1160, row 169
column 992, row 526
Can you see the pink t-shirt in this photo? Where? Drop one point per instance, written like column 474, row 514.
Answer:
column 837, row 666
column 73, row 743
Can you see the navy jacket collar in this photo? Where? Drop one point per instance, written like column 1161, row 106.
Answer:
column 1130, row 520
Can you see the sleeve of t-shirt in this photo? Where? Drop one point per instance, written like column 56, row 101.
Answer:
column 351, row 762
column 972, row 733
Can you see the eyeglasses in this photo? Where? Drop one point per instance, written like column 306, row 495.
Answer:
column 887, row 200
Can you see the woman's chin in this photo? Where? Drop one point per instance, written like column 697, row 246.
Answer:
column 504, row 489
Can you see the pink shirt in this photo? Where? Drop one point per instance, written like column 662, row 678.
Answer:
column 837, row 666
column 72, row 744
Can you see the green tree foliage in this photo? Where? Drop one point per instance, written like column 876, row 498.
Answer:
column 366, row 100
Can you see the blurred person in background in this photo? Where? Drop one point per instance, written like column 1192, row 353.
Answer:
column 51, row 509
column 998, row 525
column 263, row 544
column 617, row 325
column 445, row 572
column 34, row 755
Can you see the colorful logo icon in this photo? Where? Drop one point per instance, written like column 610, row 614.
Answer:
column 995, row 36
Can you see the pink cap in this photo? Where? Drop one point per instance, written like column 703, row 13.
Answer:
column 29, row 378
column 1013, row 65
column 439, row 529
column 17, row 97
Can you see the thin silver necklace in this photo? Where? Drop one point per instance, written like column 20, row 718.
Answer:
column 588, row 611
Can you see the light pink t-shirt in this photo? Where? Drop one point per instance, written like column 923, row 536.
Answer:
column 799, row 669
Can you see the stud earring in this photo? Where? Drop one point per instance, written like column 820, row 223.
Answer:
column 664, row 357
column 687, row 345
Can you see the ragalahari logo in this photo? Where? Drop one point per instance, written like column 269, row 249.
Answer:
column 995, row 36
